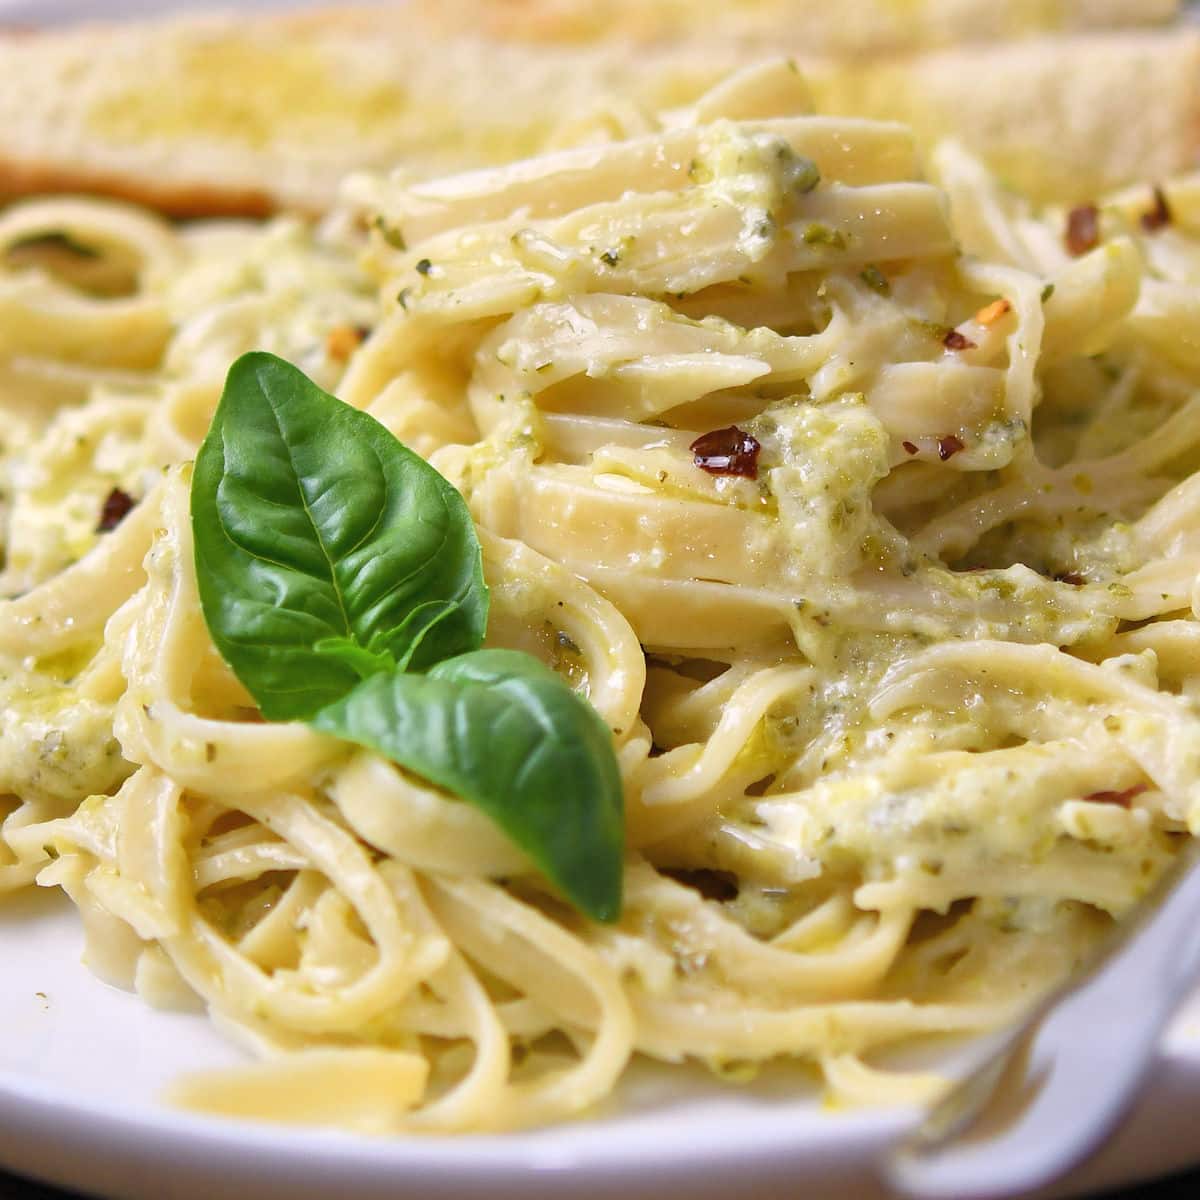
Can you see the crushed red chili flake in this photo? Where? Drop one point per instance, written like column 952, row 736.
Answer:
column 115, row 509
column 991, row 313
column 1119, row 798
column 910, row 447
column 343, row 340
column 1083, row 229
column 957, row 341
column 1072, row 577
column 949, row 446
column 729, row 451
column 1159, row 215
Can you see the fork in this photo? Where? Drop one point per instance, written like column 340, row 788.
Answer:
column 1050, row 1091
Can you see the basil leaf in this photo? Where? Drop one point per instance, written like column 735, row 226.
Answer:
column 334, row 565
column 324, row 548
column 504, row 732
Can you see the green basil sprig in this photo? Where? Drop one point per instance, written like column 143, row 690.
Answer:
column 341, row 579
column 495, row 726
column 325, row 550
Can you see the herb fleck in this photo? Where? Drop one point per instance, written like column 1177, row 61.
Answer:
column 53, row 242
column 391, row 234
column 807, row 174
column 822, row 235
column 875, row 279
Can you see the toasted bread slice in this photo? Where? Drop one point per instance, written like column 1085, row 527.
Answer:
column 836, row 28
column 1062, row 119
column 223, row 113
column 235, row 114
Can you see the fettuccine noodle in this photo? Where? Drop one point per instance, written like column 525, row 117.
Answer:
column 907, row 715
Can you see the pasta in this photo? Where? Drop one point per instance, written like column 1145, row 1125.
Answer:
column 902, row 679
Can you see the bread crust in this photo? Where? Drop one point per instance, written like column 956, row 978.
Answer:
column 138, row 111
column 1058, row 119
column 183, row 200
column 820, row 27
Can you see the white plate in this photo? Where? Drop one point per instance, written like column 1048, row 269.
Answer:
column 82, row 1065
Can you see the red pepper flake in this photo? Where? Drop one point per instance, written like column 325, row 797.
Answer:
column 1072, row 577
column 343, row 340
column 910, row 447
column 729, row 451
column 1159, row 215
column 116, row 507
column 957, row 341
column 991, row 313
column 1083, row 229
column 949, row 446
column 1121, row 799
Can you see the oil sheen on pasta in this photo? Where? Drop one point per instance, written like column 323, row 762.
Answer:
column 904, row 722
